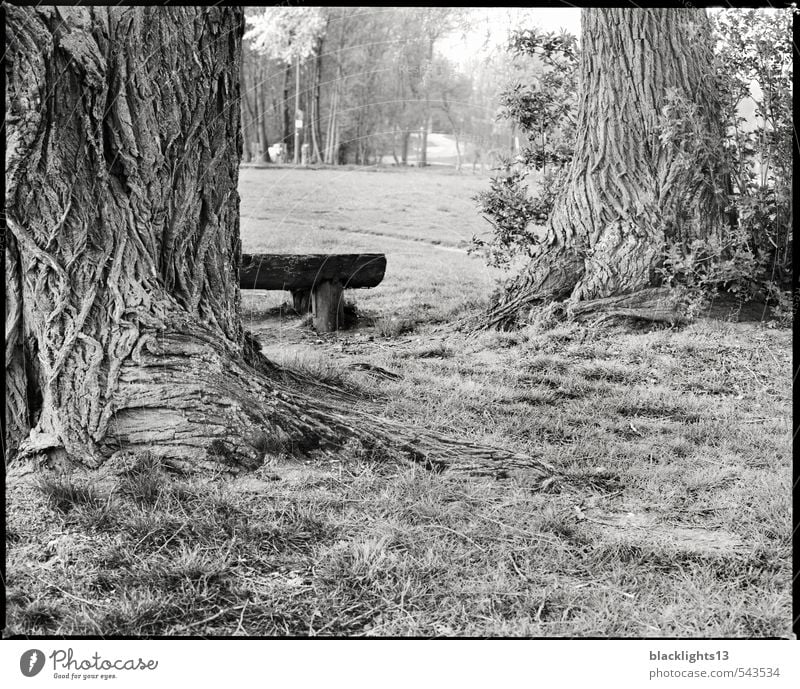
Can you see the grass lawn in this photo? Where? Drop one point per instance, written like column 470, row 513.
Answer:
column 673, row 516
column 422, row 220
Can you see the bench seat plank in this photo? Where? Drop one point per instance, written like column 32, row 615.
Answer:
column 304, row 271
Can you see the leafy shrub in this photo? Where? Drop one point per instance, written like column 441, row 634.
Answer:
column 544, row 111
column 509, row 208
column 753, row 260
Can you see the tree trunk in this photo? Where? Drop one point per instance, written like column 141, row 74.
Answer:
column 250, row 101
column 394, row 145
column 247, row 152
column 331, row 151
column 122, row 200
column 404, row 140
column 337, row 145
column 261, row 108
column 329, row 132
column 626, row 191
column 288, row 132
column 123, row 319
column 296, row 145
column 261, row 116
column 314, row 119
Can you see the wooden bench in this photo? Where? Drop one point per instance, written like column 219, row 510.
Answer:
column 316, row 281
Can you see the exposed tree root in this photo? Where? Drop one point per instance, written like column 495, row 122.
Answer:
column 655, row 305
column 324, row 416
column 551, row 278
column 189, row 398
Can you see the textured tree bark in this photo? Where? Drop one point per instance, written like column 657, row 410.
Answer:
column 121, row 191
column 123, row 318
column 626, row 191
column 17, row 407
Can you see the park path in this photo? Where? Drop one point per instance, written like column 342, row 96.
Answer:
column 435, row 243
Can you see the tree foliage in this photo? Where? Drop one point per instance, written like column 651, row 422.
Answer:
column 372, row 79
column 286, row 33
column 754, row 258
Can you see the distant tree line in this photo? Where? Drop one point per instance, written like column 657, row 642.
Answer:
column 368, row 84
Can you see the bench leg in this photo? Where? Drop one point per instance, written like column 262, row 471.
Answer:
column 301, row 301
column 327, row 306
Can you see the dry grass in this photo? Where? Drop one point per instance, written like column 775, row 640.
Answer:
column 674, row 518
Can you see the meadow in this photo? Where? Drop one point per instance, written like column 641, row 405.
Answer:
column 673, row 518
column 422, row 221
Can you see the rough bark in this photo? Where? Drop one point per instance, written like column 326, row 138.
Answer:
column 121, row 195
column 17, row 406
column 123, row 318
column 626, row 191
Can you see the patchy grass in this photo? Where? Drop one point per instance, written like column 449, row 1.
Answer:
column 64, row 495
column 673, row 518
column 393, row 326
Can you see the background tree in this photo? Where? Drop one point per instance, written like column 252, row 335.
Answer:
column 368, row 87
column 290, row 34
column 433, row 22
column 450, row 92
column 257, row 93
column 627, row 191
column 489, row 127
column 123, row 319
